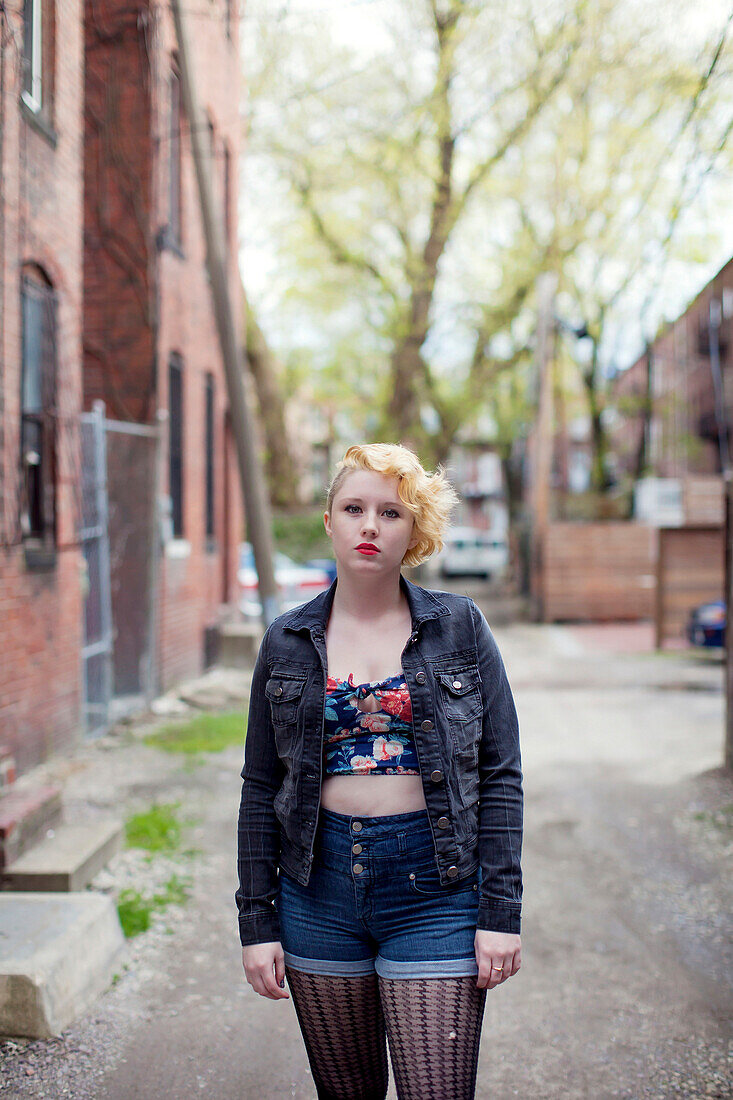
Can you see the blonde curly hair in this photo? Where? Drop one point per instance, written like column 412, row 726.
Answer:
column 429, row 497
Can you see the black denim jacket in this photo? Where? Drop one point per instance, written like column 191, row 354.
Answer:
column 466, row 734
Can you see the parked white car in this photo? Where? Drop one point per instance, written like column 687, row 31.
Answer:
column 296, row 583
column 471, row 552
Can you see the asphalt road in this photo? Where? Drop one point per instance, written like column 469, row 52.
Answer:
column 626, row 987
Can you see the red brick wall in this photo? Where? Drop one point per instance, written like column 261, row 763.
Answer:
column 41, row 224
column 145, row 299
column 197, row 583
column 119, row 298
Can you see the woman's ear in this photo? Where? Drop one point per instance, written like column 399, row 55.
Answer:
column 327, row 523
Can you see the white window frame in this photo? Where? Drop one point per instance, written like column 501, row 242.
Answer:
column 34, row 98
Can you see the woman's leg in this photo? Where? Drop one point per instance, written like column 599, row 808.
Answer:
column 343, row 1030
column 434, row 1029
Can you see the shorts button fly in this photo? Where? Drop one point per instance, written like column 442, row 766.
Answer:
column 357, row 826
column 356, row 849
column 358, row 868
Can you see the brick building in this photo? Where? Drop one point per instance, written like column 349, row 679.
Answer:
column 112, row 576
column 679, row 374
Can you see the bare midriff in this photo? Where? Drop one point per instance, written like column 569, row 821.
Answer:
column 373, row 795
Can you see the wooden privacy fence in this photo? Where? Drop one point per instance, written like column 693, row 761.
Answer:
column 690, row 570
column 599, row 571
column 626, row 570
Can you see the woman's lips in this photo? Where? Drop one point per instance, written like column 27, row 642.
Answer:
column 367, row 550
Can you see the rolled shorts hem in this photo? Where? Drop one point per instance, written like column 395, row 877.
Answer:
column 334, row 968
column 385, row 968
column 416, row 968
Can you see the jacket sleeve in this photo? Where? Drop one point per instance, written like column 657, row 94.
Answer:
column 258, row 830
column 500, row 791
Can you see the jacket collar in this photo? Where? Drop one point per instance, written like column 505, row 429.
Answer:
column 314, row 614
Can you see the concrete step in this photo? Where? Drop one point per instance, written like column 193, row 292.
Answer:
column 239, row 643
column 25, row 816
column 67, row 860
column 59, row 951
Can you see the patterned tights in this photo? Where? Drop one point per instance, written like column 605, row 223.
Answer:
column 433, row 1026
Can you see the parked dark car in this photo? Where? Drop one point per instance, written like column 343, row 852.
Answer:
column 706, row 624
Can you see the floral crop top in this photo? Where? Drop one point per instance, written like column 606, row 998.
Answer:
column 368, row 728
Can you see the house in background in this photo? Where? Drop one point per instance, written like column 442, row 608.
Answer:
column 120, row 505
column 687, row 380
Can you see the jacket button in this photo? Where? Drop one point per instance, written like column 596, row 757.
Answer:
column 358, row 868
column 436, row 776
column 420, row 677
column 356, row 849
column 443, row 822
column 457, row 684
column 426, row 725
column 452, row 871
column 278, row 690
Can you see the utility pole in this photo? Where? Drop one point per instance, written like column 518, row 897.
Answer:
column 542, row 465
column 256, row 505
column 728, row 747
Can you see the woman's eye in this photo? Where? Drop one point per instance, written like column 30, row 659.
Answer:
column 395, row 513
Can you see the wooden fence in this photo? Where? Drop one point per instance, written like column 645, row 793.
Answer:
column 597, row 571
column 690, row 570
column 619, row 571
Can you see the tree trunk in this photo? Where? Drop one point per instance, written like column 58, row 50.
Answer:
column 279, row 463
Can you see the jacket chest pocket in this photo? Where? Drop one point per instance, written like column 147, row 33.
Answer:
column 284, row 694
column 460, row 694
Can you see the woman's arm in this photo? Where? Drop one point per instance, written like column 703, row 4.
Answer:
column 258, row 833
column 500, row 791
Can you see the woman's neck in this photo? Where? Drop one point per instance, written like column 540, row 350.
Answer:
column 368, row 598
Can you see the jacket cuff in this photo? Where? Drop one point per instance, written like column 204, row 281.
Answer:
column 495, row 916
column 261, row 927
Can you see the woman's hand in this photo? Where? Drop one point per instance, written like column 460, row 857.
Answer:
column 264, row 965
column 493, row 950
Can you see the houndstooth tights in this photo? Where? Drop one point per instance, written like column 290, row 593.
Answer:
column 433, row 1026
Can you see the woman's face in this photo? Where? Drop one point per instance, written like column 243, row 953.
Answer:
column 367, row 509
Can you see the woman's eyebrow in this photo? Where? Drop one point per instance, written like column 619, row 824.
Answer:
column 384, row 503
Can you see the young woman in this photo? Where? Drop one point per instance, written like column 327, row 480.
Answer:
column 380, row 825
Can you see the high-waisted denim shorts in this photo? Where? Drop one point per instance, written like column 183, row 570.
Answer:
column 374, row 901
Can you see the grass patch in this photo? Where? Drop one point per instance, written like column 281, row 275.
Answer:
column 156, row 830
column 136, row 911
column 204, row 733
column 721, row 819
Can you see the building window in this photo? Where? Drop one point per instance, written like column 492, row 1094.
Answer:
column 175, row 442
column 37, row 412
column 32, row 54
column 209, row 454
column 174, row 199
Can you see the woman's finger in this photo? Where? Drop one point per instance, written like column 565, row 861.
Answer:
column 280, row 969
